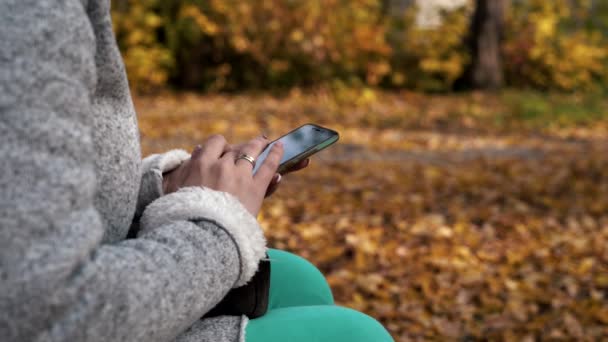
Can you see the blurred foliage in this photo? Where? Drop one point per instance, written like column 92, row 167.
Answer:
column 231, row 45
column 429, row 214
column 548, row 46
column 147, row 59
column 428, row 58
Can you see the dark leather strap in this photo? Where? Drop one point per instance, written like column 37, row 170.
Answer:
column 250, row 299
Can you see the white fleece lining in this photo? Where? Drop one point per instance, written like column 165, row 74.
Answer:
column 222, row 207
column 166, row 161
column 244, row 322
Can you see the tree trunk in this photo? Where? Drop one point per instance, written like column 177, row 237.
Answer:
column 485, row 70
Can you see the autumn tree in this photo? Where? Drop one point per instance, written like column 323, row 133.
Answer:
column 484, row 41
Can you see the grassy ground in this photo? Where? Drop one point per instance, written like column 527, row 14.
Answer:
column 445, row 216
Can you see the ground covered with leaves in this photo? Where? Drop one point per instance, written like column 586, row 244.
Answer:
column 445, row 217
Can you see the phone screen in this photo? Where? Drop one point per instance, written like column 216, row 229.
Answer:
column 298, row 141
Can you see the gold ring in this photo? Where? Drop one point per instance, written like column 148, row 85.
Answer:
column 247, row 158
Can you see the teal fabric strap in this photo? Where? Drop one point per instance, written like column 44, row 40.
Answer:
column 301, row 308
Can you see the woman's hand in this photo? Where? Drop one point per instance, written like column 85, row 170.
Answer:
column 276, row 180
column 215, row 166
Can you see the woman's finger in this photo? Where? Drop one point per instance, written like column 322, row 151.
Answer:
column 238, row 147
column 270, row 165
column 274, row 185
column 213, row 148
column 227, row 148
column 299, row 166
column 233, row 148
column 196, row 151
column 252, row 149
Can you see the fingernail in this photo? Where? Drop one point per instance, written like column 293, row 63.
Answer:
column 279, row 177
column 196, row 150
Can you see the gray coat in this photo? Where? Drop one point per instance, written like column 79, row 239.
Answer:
column 72, row 183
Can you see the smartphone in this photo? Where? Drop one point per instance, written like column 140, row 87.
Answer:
column 300, row 144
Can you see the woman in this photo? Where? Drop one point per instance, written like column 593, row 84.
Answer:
column 73, row 188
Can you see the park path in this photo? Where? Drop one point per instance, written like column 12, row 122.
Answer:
column 450, row 148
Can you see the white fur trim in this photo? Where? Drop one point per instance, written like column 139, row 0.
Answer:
column 244, row 322
column 166, row 161
column 196, row 202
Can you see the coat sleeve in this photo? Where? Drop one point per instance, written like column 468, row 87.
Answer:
column 58, row 282
column 151, row 186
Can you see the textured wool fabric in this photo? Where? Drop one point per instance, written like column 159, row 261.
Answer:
column 71, row 181
column 210, row 329
column 220, row 207
column 153, row 167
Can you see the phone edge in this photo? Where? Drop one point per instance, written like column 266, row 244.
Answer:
column 282, row 168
